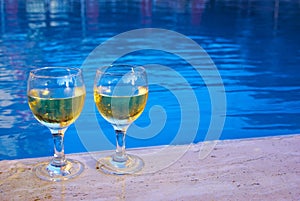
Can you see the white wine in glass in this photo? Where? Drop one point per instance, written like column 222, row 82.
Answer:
column 56, row 97
column 120, row 94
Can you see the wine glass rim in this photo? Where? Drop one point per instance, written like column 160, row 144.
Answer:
column 72, row 72
column 103, row 69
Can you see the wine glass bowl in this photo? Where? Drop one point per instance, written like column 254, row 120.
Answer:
column 120, row 94
column 56, row 97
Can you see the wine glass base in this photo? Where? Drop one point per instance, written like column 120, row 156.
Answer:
column 48, row 172
column 132, row 165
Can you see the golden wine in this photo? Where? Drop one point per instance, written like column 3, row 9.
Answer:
column 56, row 112
column 121, row 110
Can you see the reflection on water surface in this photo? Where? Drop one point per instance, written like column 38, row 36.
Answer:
column 254, row 44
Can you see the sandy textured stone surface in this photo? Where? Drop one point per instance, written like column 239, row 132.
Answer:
column 252, row 169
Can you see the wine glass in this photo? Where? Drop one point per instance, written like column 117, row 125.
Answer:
column 56, row 97
column 120, row 94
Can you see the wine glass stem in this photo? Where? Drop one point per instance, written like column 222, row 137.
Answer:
column 120, row 155
column 59, row 155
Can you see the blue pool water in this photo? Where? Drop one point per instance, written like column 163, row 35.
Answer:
column 254, row 44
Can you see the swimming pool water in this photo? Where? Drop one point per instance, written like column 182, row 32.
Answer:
column 254, row 44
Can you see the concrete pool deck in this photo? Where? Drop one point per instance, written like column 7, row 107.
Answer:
column 247, row 169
